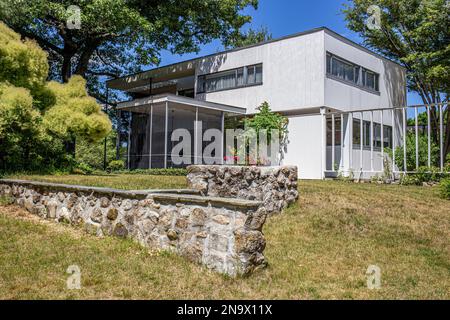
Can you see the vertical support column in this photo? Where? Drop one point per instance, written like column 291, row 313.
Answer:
column 333, row 142
column 441, row 138
column 382, row 139
column 417, row 136
column 105, row 140
column 166, row 134
column 429, row 135
column 129, row 140
column 324, row 141
column 151, row 137
column 222, row 141
column 393, row 143
column 342, row 141
column 405, row 169
column 371, row 141
column 119, row 122
column 350, row 139
column 196, row 138
column 361, row 142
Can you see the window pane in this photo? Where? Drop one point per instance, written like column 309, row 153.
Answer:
column 370, row 80
column 377, row 135
column 240, row 77
column 201, row 84
column 328, row 63
column 356, row 78
column 158, row 135
column 356, row 132
column 251, row 75
column 258, row 73
column 180, row 117
column 337, row 132
column 387, row 131
column 348, row 72
column 140, row 141
column 367, row 134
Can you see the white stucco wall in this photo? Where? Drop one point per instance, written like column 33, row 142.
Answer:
column 293, row 73
column 346, row 97
column 304, row 149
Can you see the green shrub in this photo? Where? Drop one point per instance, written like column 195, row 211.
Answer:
column 82, row 168
column 444, row 187
column 423, row 174
column 116, row 165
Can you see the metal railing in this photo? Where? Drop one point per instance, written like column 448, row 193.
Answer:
column 352, row 156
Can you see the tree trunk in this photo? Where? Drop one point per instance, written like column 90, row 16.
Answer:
column 66, row 68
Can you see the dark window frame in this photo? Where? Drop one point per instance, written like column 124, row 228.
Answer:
column 359, row 73
column 202, row 79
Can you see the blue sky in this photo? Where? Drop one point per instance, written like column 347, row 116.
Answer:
column 284, row 17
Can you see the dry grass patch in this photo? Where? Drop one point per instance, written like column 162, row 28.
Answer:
column 319, row 248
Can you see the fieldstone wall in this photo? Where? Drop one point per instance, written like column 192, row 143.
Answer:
column 223, row 234
column 276, row 187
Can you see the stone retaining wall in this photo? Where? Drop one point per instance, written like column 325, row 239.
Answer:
column 223, row 234
column 276, row 187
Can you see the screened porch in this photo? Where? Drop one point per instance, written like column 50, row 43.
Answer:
column 152, row 120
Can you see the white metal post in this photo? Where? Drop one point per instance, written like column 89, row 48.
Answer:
column 417, row 136
column 333, row 142
column 382, row 140
column 393, row 142
column 441, row 138
column 361, row 141
column 196, row 136
column 166, row 134
column 371, row 141
column 342, row 141
column 429, row 135
column 324, row 141
column 222, row 140
column 350, row 139
column 151, row 136
column 129, row 140
column 404, row 141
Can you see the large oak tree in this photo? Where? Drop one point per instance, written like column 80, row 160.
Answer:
column 120, row 36
column 415, row 33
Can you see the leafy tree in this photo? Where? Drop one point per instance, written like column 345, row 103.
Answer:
column 75, row 114
column 268, row 120
column 91, row 153
column 37, row 117
column 118, row 36
column 249, row 37
column 414, row 33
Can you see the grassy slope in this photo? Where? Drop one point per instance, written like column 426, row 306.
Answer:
column 118, row 181
column 320, row 248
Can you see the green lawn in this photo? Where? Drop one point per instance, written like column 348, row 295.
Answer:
column 319, row 248
column 118, row 181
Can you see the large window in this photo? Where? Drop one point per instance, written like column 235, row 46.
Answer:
column 387, row 135
column 337, row 132
column 352, row 73
column 230, row 79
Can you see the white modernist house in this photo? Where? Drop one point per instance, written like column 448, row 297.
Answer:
column 339, row 98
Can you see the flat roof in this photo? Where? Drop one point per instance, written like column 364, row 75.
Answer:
column 163, row 98
column 186, row 65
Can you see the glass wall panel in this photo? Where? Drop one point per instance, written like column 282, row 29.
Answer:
column 180, row 117
column 139, row 141
column 158, row 136
column 210, row 119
